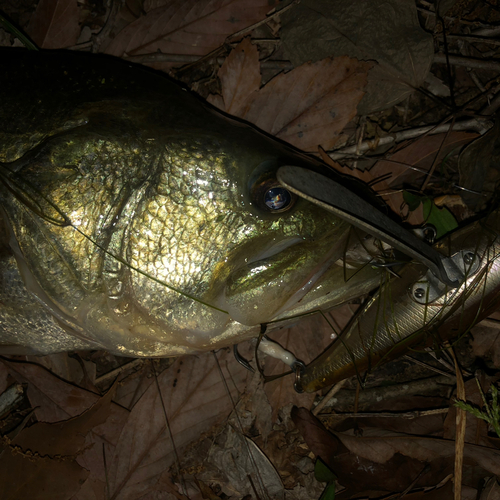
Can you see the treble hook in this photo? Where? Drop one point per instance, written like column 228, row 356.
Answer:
column 273, row 349
column 241, row 360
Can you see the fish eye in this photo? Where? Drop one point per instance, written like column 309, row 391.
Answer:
column 271, row 196
column 277, row 198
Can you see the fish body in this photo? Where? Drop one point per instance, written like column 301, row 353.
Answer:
column 139, row 220
column 416, row 307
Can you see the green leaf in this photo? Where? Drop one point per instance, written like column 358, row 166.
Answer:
column 328, row 492
column 8, row 26
column 322, row 472
column 412, row 200
column 441, row 218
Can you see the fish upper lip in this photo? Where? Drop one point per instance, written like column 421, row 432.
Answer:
column 276, row 248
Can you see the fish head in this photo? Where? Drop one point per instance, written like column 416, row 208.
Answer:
column 147, row 220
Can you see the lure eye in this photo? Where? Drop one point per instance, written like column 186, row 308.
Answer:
column 277, row 199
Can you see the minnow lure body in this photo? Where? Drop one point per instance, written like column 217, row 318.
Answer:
column 410, row 308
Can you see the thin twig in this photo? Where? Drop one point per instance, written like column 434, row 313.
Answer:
column 430, row 367
column 10, row 398
column 474, row 124
column 424, row 471
column 446, row 364
column 476, row 80
column 492, row 107
column 430, row 173
column 329, row 395
column 461, row 421
column 409, row 415
column 472, row 38
column 468, row 62
column 114, row 373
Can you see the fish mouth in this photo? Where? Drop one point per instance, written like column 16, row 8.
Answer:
column 280, row 276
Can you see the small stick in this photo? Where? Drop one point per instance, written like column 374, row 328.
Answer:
column 114, row 373
column 329, row 395
column 469, row 62
column 430, row 367
column 476, row 125
column 409, row 415
column 461, row 421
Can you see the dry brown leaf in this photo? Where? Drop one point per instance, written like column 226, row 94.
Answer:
column 385, row 31
column 55, row 400
column 420, row 153
column 195, row 399
column 240, row 77
column 55, row 24
column 355, row 472
column 64, row 366
column 491, row 490
column 41, row 461
column 194, row 27
column 382, row 448
column 91, row 490
column 310, row 105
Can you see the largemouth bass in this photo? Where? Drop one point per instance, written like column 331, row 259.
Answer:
column 139, row 220
column 417, row 307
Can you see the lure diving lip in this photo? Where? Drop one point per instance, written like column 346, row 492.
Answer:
column 348, row 205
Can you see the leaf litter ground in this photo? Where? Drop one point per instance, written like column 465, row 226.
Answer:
column 73, row 434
